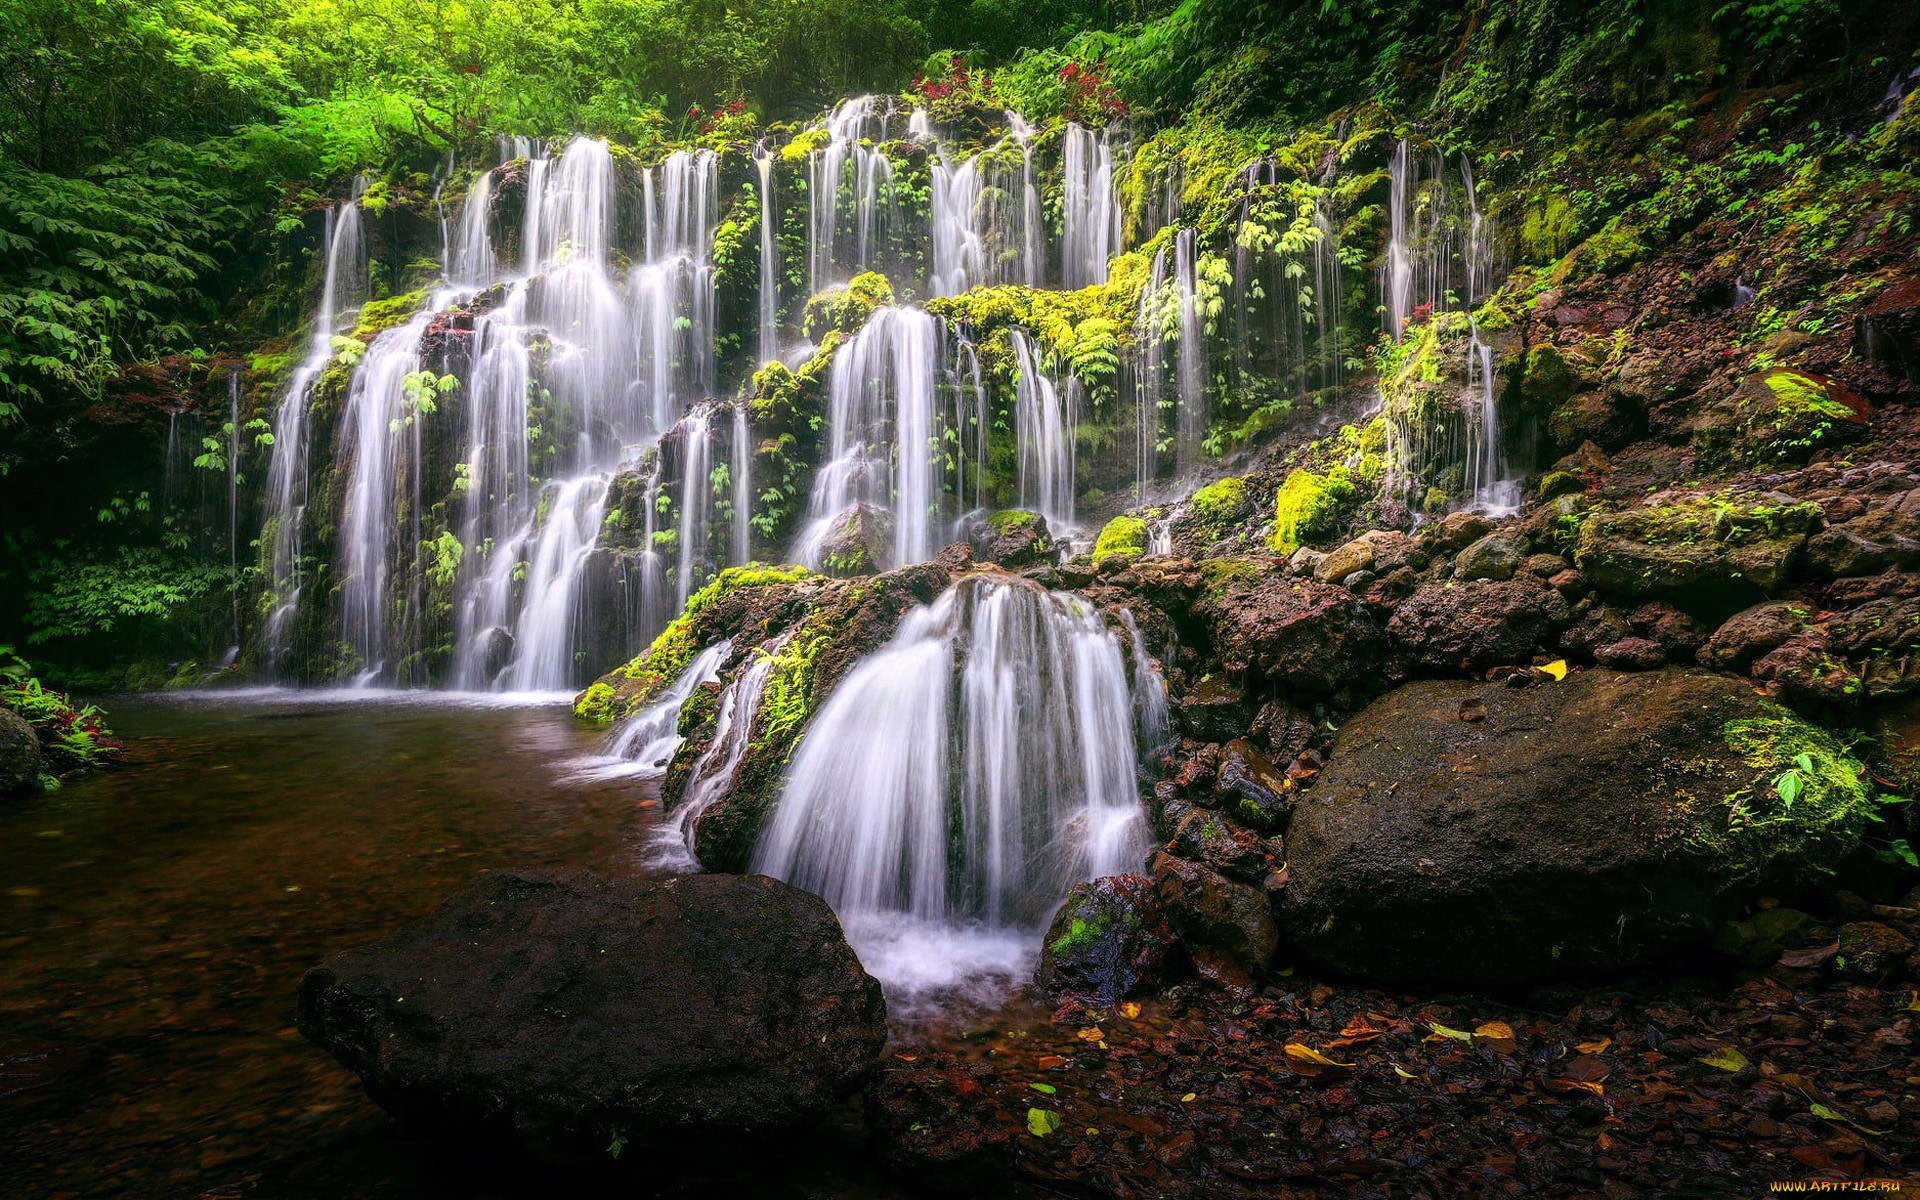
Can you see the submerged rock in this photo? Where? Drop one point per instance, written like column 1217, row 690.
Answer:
column 20, row 761
column 568, row 1015
column 1484, row 835
column 1110, row 940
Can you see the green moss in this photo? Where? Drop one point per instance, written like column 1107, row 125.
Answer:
column 1309, row 505
column 1124, row 536
column 1009, row 519
column 596, row 703
column 1082, row 933
column 1219, row 504
column 378, row 316
column 1806, row 809
column 845, row 309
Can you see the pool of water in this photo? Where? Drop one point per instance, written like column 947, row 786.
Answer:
column 156, row 920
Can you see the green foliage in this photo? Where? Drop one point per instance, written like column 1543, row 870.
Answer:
column 1308, row 506
column 77, row 598
column 1808, row 806
column 1122, row 536
column 72, row 739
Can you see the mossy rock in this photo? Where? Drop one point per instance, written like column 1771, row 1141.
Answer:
column 846, row 309
column 1715, row 551
column 1218, row 505
column 1310, row 506
column 1442, row 843
column 1778, row 416
column 1122, row 536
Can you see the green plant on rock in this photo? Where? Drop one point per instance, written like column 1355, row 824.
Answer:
column 1309, row 506
column 1219, row 504
column 1809, row 803
column 1125, row 537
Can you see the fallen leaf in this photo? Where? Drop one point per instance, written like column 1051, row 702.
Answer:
column 1494, row 1029
column 1042, row 1087
column 1048, row 1062
column 1403, row 1073
column 1811, row 957
column 1130, row 1009
column 1726, row 1058
column 1303, row 1055
column 1557, row 668
column 1593, row 1047
column 1041, row 1122
column 1093, row 1034
column 1190, row 1097
column 1574, row 1085
column 1828, row 1114
column 1441, row 1033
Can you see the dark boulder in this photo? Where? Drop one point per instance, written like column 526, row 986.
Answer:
column 1472, row 625
column 1318, row 637
column 567, row 1015
column 1866, row 545
column 1285, row 729
column 1110, row 940
column 1214, row 710
column 1752, row 633
column 1202, row 835
column 1013, row 538
column 1483, row 835
column 1227, row 928
column 20, row 760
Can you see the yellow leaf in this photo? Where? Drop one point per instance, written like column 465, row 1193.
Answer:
column 1442, row 1033
column 1190, row 1097
column 1094, row 1034
column 1041, row 1122
column 1403, row 1073
column 1593, row 1047
column 1495, row 1029
column 1726, row 1058
column 1130, row 1009
column 1557, row 668
column 1307, row 1054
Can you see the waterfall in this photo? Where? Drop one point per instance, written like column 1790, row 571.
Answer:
column 1397, row 285
column 866, row 176
column 742, row 472
column 1170, row 313
column 959, row 255
column 1190, row 376
column 1150, row 708
column 882, row 448
column 972, row 770
column 695, row 498
column 986, row 225
column 769, row 288
column 712, row 772
column 558, row 550
column 1044, row 428
column 470, row 258
column 1489, row 487
column 649, row 737
column 1090, row 208
column 233, row 507
column 342, row 287
column 372, row 428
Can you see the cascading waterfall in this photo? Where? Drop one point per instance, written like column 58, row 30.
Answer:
column 1170, row 315
column 969, row 772
column 769, row 287
column 648, row 738
column 341, row 290
column 882, row 448
column 712, row 772
column 695, row 497
column 742, row 473
column 555, row 555
column 1044, row 425
column 1090, row 208
column 845, row 234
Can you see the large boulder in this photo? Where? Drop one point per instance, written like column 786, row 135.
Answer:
column 572, row 1016
column 1483, row 835
column 20, row 760
column 1227, row 928
column 1013, row 537
column 1109, row 941
column 1702, row 552
column 1318, row 637
column 1479, row 623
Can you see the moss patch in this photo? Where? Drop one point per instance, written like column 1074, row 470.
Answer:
column 1309, row 505
column 1124, row 536
column 1806, row 809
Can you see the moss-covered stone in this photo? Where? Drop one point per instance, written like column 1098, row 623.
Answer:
column 844, row 310
column 1309, row 506
column 1806, row 808
column 1774, row 417
column 1125, row 537
column 1698, row 545
column 1219, row 504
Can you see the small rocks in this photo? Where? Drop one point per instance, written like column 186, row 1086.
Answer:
column 1252, row 788
column 1227, row 928
column 1870, row 951
column 1355, row 556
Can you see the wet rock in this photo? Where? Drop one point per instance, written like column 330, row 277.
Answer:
column 1110, row 940
column 1227, row 928
column 1803, row 672
column 560, row 1013
column 929, row 1126
column 1204, row 836
column 1453, row 626
column 1319, row 637
column 1284, row 729
column 1485, row 836
column 1764, row 937
column 1698, row 552
column 1870, row 951
column 1305, row 560
column 1752, row 632
column 1455, row 532
column 857, row 542
column 1346, row 560
column 1252, row 789
column 1546, row 566
column 1492, row 557
column 1013, row 538
column 1866, row 545
column 1598, row 626
column 1678, row 634
column 1894, row 749
column 1778, row 416
column 20, row 760
column 1214, row 710
column 1631, row 654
